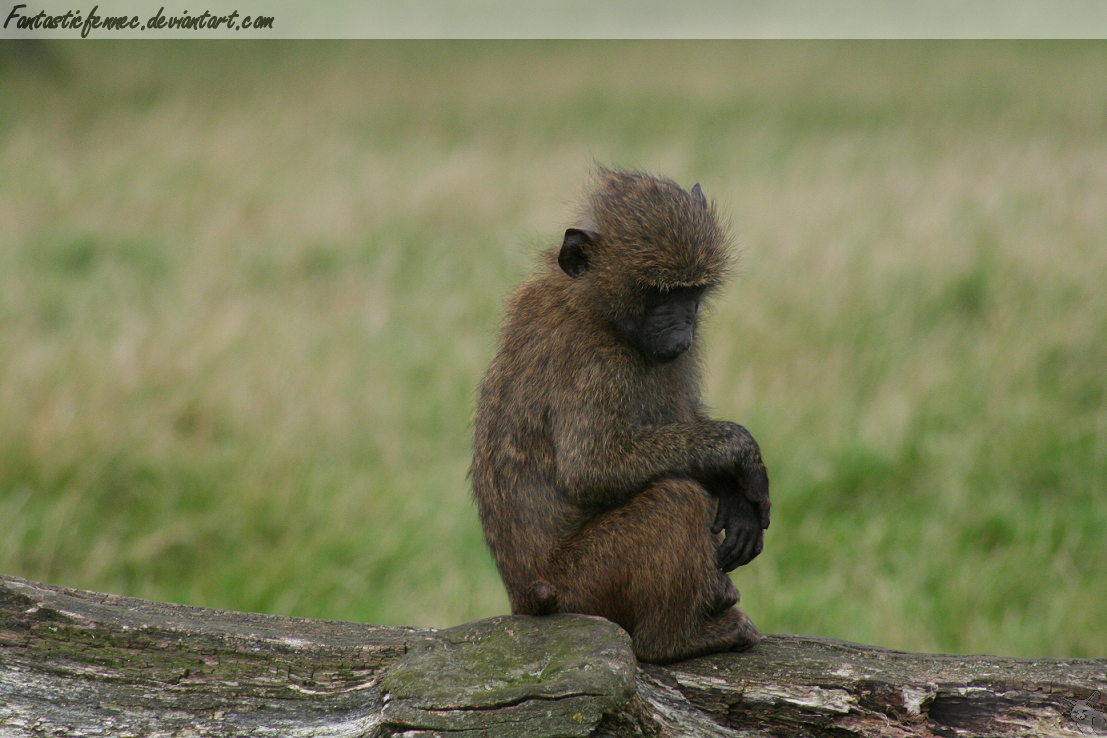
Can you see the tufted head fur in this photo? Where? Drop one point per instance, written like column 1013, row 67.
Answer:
column 640, row 233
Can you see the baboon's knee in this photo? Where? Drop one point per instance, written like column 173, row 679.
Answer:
column 682, row 502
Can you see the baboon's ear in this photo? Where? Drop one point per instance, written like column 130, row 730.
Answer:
column 573, row 258
column 698, row 196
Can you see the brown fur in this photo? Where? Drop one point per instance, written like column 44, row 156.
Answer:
column 587, row 455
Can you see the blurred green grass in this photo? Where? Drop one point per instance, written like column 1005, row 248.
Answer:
column 247, row 291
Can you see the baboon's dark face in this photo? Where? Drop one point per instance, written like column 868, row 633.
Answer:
column 666, row 326
column 660, row 323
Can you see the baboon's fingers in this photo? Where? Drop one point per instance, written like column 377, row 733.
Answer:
column 736, row 553
column 742, row 519
column 756, row 488
column 763, row 510
column 752, row 548
column 732, row 551
column 757, row 544
column 722, row 514
column 754, row 544
column 726, row 556
column 742, row 545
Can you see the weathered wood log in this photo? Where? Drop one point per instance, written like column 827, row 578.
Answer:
column 75, row 663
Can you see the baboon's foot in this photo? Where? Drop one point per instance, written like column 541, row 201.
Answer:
column 745, row 632
column 722, row 599
column 730, row 630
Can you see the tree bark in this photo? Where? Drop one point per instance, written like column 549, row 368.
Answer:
column 75, row 663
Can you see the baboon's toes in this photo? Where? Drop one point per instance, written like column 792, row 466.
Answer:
column 746, row 635
column 725, row 597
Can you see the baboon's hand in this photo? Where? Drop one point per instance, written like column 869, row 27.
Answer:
column 745, row 535
column 743, row 492
column 755, row 485
column 748, row 469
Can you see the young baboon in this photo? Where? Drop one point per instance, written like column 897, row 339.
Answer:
column 601, row 483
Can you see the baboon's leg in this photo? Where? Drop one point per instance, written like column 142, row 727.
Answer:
column 650, row 567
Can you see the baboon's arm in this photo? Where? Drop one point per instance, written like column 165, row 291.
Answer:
column 602, row 464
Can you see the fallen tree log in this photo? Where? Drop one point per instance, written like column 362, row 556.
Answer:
column 76, row 663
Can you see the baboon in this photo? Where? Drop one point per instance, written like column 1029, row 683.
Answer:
column 601, row 483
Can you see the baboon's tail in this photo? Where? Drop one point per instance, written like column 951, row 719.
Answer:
column 543, row 597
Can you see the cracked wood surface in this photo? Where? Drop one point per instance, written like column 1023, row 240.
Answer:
column 75, row 663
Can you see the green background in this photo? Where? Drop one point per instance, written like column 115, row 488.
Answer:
column 247, row 291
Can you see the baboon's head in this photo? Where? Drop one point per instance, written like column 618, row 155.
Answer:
column 647, row 254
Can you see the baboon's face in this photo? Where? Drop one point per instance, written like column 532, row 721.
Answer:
column 659, row 322
column 666, row 326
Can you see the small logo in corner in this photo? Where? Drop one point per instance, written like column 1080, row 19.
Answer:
column 1092, row 722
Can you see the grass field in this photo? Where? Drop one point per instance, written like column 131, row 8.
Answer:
column 247, row 291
